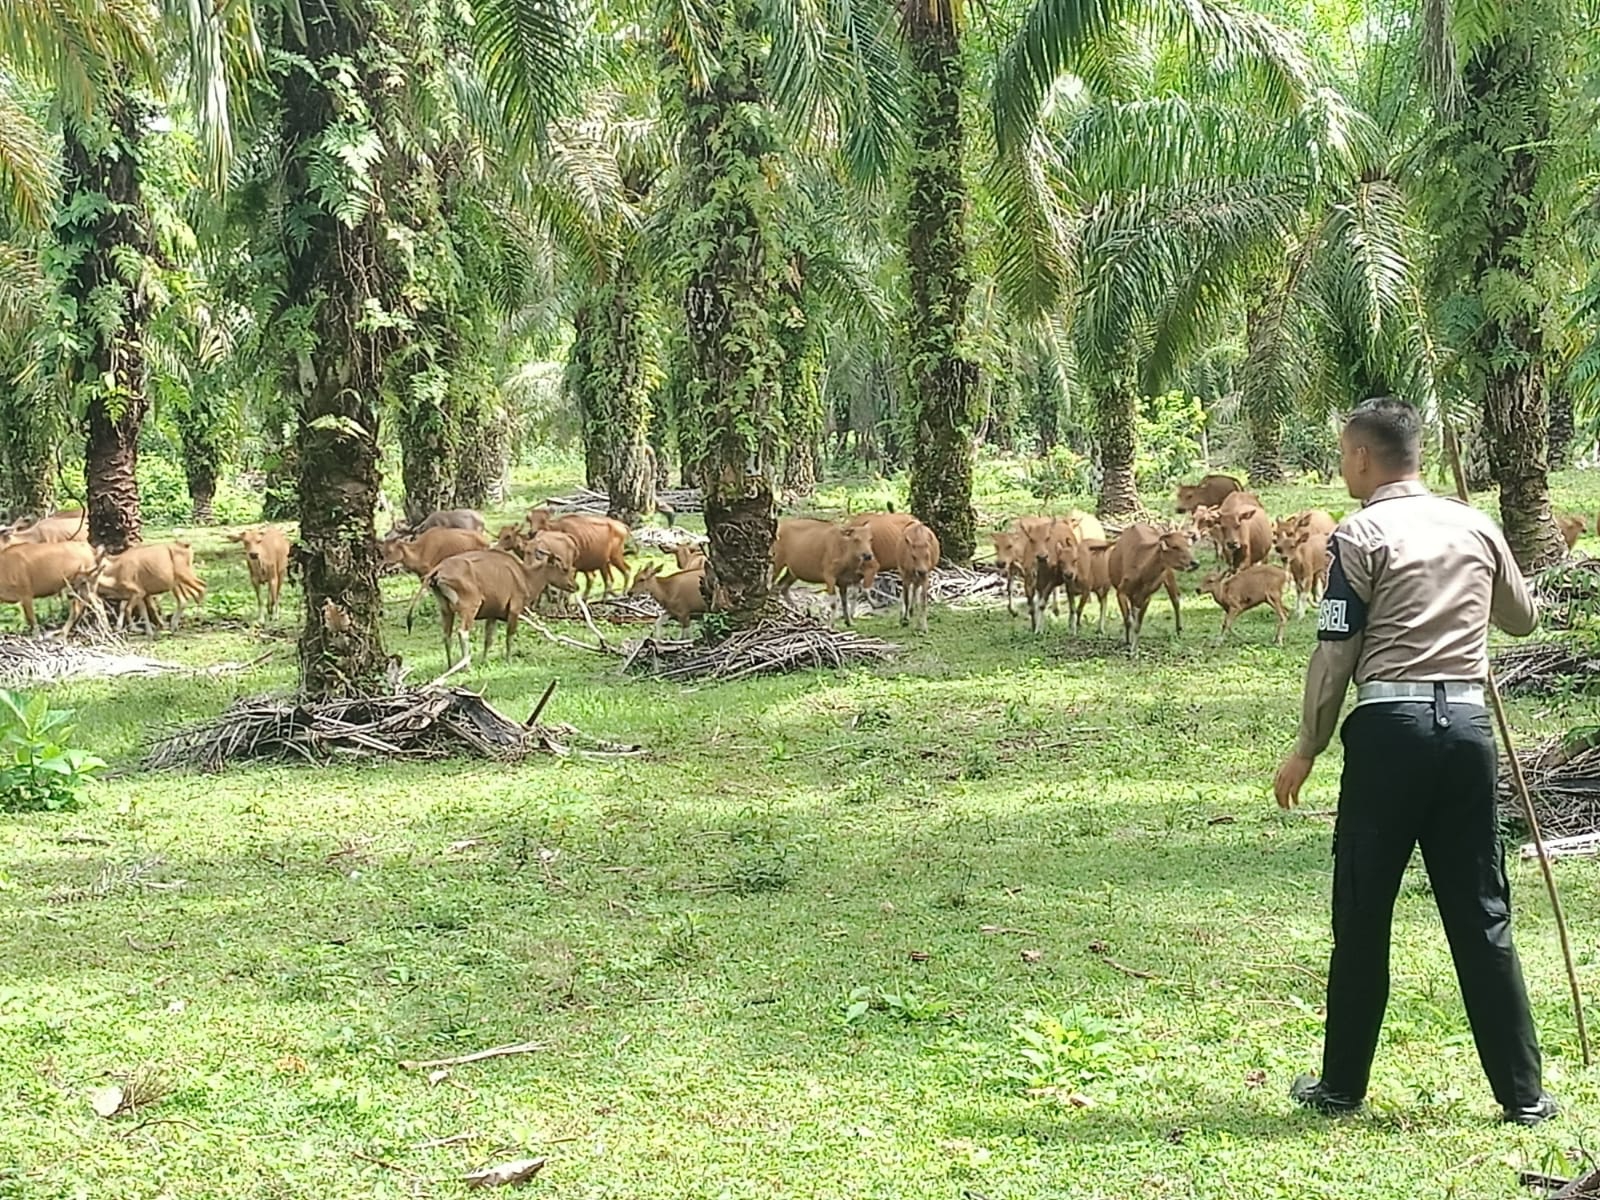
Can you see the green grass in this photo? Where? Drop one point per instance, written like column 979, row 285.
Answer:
column 756, row 955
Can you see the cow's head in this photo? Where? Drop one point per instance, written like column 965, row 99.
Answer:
column 252, row 540
column 1175, row 551
column 1233, row 523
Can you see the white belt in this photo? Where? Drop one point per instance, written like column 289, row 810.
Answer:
column 1391, row 693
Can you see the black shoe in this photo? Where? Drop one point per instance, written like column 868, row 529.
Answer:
column 1309, row 1092
column 1537, row 1113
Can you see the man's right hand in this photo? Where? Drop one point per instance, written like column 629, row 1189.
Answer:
column 1292, row 775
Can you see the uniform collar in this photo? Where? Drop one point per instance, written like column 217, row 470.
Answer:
column 1394, row 491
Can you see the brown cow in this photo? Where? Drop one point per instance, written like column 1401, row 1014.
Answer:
column 1309, row 562
column 33, row 570
column 887, row 532
column 1209, row 528
column 1287, row 530
column 689, row 557
column 450, row 518
column 57, row 527
column 836, row 556
column 600, row 543
column 1141, row 560
column 1209, row 492
column 1245, row 529
column 680, row 595
column 427, row 550
column 1243, row 590
column 1572, row 528
column 1009, row 547
column 490, row 584
column 1089, row 574
column 266, row 553
column 1051, row 556
column 918, row 555
column 141, row 573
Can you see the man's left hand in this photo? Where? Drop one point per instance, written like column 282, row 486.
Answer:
column 1292, row 774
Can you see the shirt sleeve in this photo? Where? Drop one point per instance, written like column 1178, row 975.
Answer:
column 1341, row 624
column 1512, row 607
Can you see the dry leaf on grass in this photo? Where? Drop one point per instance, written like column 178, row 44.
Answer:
column 435, row 1078
column 919, row 956
column 518, row 1170
column 1032, row 956
column 107, row 1102
column 1255, row 1078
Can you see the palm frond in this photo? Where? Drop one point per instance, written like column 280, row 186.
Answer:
column 27, row 165
column 1052, row 32
column 688, row 32
column 527, row 48
column 78, row 46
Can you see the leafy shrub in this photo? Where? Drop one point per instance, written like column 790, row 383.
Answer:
column 39, row 769
column 163, row 491
column 1060, row 1056
column 1062, row 472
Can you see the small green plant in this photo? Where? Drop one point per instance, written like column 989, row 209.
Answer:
column 1061, row 1056
column 1061, row 472
column 40, row 771
column 907, row 1005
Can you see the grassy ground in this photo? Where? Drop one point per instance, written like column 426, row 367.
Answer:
column 843, row 935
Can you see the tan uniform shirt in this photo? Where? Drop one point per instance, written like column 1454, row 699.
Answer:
column 1414, row 583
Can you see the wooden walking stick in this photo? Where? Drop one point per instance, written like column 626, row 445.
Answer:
column 1520, row 783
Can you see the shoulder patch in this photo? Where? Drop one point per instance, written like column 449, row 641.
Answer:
column 1342, row 614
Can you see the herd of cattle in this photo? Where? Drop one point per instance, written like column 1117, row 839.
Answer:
column 540, row 558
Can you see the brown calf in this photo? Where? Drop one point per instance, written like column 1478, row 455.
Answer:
column 918, row 553
column 266, row 554
column 141, row 573
column 681, row 596
column 1250, row 588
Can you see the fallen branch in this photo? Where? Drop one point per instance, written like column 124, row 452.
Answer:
column 476, row 1056
column 1126, row 970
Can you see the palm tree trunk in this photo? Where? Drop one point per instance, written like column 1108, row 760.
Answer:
column 338, row 378
column 1507, row 121
column 1116, row 413
column 1264, row 397
column 941, row 379
column 802, row 400
column 425, row 453
column 622, row 399
column 27, row 440
column 729, row 412
column 581, row 383
column 483, row 456
column 1562, row 427
column 103, row 223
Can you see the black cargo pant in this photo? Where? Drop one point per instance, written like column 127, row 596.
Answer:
column 1420, row 772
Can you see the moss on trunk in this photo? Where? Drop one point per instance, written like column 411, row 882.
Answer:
column 622, row 399
column 941, row 378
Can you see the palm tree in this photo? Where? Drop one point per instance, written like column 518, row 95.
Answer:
column 1509, row 152
column 103, row 61
column 1207, row 186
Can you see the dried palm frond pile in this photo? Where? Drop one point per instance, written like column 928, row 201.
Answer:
column 430, row 722
column 1564, row 778
column 955, row 586
column 1541, row 668
column 29, row 660
column 1568, row 592
column 772, row 647
column 667, row 538
column 587, row 500
column 626, row 610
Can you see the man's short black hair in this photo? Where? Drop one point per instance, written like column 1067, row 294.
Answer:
column 1391, row 429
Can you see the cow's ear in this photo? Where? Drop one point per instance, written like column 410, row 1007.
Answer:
column 1248, row 514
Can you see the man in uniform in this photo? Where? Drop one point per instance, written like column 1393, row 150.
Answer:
column 1414, row 582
